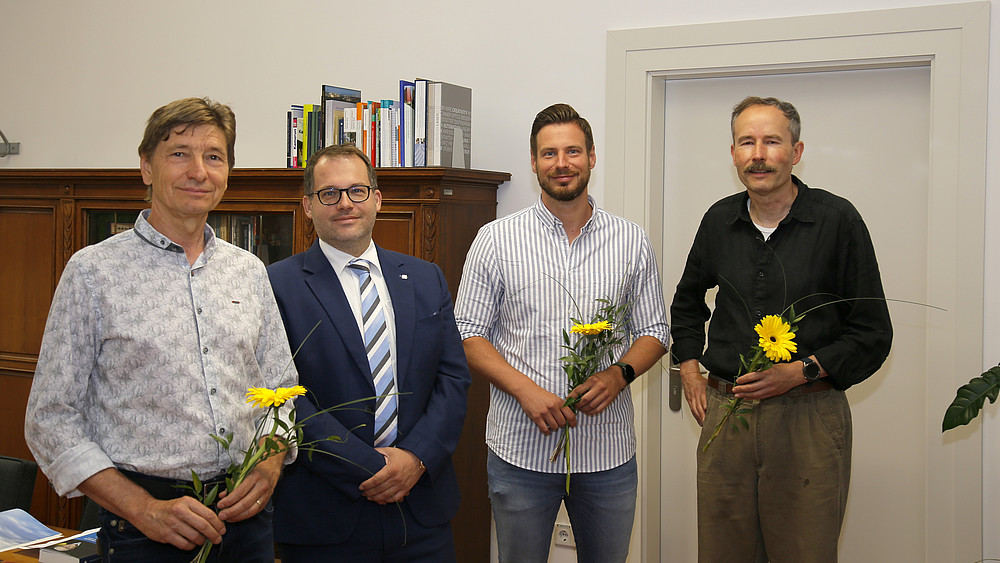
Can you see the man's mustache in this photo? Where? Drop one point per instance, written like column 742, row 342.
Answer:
column 758, row 167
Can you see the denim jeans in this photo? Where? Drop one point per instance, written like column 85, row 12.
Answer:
column 601, row 507
column 249, row 541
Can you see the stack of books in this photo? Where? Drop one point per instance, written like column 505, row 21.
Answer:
column 429, row 124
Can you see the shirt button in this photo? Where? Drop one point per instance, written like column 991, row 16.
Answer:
column 222, row 430
column 212, row 391
column 760, row 274
column 204, row 350
column 199, row 310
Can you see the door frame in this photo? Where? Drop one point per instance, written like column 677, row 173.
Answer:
column 953, row 40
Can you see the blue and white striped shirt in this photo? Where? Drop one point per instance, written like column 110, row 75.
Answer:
column 522, row 282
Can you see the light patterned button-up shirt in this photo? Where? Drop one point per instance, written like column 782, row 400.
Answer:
column 522, row 283
column 144, row 355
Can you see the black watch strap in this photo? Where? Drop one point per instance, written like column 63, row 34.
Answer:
column 628, row 372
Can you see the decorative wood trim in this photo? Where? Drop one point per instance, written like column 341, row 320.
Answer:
column 430, row 216
column 68, row 208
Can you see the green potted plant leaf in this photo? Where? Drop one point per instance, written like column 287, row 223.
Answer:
column 971, row 397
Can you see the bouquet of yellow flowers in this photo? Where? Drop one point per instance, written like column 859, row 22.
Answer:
column 597, row 340
column 775, row 344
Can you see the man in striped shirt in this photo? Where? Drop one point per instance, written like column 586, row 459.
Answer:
column 525, row 276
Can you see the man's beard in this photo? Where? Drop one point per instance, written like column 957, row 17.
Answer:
column 567, row 193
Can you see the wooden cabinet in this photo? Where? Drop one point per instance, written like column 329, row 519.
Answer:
column 46, row 215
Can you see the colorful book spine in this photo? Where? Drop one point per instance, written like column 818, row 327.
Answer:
column 294, row 136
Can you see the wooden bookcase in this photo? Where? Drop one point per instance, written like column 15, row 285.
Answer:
column 48, row 214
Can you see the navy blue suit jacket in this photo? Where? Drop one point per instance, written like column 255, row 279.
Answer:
column 317, row 500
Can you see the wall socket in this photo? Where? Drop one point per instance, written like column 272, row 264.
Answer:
column 564, row 536
column 14, row 148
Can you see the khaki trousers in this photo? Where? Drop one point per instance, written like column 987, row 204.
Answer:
column 776, row 491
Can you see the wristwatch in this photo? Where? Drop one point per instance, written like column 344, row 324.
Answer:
column 628, row 372
column 810, row 369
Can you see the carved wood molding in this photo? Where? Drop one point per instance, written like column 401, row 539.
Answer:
column 430, row 221
column 69, row 218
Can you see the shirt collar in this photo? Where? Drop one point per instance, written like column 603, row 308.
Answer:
column 551, row 221
column 340, row 259
column 146, row 232
column 801, row 210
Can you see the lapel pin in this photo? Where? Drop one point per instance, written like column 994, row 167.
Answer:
column 403, row 276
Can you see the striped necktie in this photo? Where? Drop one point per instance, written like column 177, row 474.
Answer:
column 376, row 335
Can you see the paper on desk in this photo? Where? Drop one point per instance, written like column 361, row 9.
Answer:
column 89, row 535
column 19, row 529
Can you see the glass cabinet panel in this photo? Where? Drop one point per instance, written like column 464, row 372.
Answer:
column 267, row 235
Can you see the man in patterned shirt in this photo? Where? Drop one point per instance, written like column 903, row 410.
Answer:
column 526, row 275
column 153, row 337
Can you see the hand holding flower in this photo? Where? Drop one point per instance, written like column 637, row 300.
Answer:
column 253, row 493
column 777, row 380
column 598, row 391
column 547, row 410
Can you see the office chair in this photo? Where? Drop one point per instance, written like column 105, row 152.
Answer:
column 88, row 520
column 17, row 482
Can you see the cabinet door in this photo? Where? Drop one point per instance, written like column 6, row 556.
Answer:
column 396, row 229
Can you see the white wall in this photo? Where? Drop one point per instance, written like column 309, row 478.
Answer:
column 78, row 80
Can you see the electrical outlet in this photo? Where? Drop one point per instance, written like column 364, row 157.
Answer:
column 564, row 536
column 14, row 148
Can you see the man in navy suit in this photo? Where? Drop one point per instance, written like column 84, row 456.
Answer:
column 387, row 491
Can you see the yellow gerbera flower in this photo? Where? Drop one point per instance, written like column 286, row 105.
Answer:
column 591, row 328
column 262, row 397
column 776, row 338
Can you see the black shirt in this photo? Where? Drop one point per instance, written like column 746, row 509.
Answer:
column 819, row 253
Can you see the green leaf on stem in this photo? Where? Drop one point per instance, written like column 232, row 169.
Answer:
column 970, row 398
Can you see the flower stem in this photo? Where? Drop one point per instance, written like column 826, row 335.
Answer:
column 753, row 365
column 567, row 459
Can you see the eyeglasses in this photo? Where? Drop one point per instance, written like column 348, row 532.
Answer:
column 331, row 196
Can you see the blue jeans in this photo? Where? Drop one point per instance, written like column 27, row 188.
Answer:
column 249, row 541
column 601, row 508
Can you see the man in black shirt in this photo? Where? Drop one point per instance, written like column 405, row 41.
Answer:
column 777, row 490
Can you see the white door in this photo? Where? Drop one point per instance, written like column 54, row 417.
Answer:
column 866, row 136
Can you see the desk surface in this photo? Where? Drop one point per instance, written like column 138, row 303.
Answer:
column 30, row 555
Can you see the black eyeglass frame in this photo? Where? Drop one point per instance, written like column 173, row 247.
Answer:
column 340, row 193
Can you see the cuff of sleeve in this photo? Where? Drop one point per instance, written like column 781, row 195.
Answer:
column 75, row 466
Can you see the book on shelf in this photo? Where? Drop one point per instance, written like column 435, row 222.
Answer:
column 312, row 138
column 407, row 105
column 371, row 135
column 294, row 135
column 420, row 122
column 449, row 122
column 335, row 101
column 385, row 133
